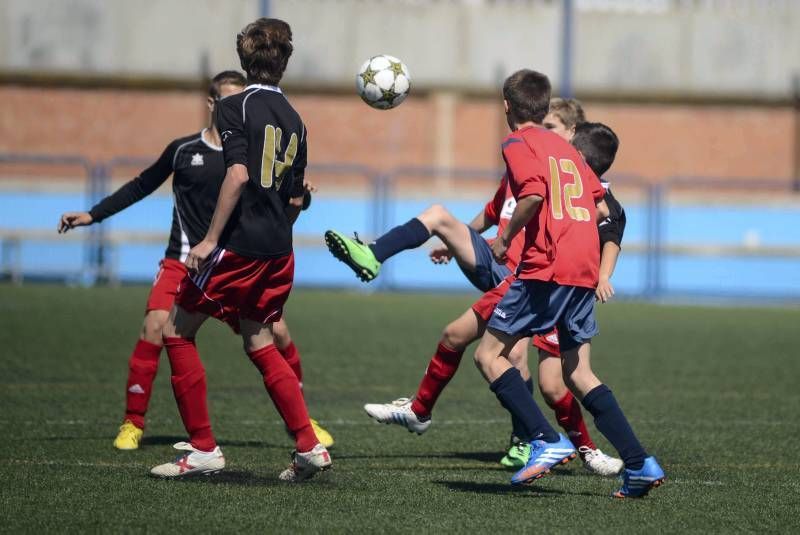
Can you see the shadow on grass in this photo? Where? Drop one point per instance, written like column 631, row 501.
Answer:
column 242, row 478
column 534, row 490
column 245, row 478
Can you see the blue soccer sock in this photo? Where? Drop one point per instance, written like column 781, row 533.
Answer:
column 409, row 235
column 513, row 395
column 516, row 426
column 610, row 420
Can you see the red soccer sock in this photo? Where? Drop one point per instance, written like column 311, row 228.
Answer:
column 292, row 358
column 570, row 418
column 142, row 368
column 441, row 369
column 283, row 388
column 189, row 386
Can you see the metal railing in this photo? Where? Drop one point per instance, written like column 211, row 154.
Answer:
column 100, row 245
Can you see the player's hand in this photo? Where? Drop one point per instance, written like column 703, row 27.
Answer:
column 199, row 255
column 70, row 220
column 309, row 186
column 499, row 250
column 604, row 291
column 441, row 255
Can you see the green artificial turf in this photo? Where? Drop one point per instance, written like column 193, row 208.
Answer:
column 712, row 392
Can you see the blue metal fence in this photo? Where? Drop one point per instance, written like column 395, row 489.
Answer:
column 686, row 246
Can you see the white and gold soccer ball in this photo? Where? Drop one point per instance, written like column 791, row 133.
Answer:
column 383, row 82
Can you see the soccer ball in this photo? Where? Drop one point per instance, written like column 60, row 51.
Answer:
column 383, row 82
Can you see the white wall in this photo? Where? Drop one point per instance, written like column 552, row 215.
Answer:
column 695, row 46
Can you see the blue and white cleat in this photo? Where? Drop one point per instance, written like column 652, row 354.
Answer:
column 544, row 456
column 637, row 483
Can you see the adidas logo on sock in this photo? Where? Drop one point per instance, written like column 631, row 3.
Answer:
column 136, row 389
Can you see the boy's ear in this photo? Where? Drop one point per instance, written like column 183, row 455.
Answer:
column 505, row 105
column 210, row 103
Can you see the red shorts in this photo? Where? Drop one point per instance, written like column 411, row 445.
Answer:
column 165, row 286
column 230, row 287
column 548, row 342
column 484, row 306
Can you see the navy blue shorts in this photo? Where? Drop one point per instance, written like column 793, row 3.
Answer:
column 535, row 307
column 488, row 273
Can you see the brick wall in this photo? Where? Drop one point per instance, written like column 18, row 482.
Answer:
column 658, row 140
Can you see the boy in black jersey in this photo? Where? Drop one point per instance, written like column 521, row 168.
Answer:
column 245, row 266
column 198, row 168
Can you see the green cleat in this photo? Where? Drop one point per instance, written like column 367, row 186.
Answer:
column 517, row 456
column 354, row 253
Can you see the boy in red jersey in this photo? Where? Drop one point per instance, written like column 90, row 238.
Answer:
column 559, row 202
column 245, row 266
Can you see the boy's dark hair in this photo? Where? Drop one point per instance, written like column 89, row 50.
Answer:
column 225, row 78
column 264, row 48
column 598, row 144
column 528, row 95
column 569, row 110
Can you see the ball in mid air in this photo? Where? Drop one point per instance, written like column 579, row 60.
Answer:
column 383, row 82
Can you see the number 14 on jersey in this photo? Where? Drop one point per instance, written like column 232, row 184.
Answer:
column 271, row 166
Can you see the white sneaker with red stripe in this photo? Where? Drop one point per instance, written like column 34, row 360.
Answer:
column 305, row 465
column 191, row 463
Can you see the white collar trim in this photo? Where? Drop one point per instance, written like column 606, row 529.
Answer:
column 274, row 88
column 208, row 143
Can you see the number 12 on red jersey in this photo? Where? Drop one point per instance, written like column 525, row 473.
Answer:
column 562, row 196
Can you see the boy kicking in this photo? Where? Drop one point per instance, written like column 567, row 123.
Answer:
column 559, row 200
column 474, row 257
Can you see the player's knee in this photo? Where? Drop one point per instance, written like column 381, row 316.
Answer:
column 153, row 326
column 435, row 216
column 553, row 389
column 280, row 335
column 454, row 338
column 518, row 357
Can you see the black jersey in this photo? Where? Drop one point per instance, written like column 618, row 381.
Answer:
column 263, row 132
column 612, row 228
column 198, row 169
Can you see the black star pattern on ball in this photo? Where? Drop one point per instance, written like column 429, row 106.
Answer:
column 397, row 68
column 368, row 76
column 388, row 95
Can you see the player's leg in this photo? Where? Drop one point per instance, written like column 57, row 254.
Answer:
column 284, row 389
column 285, row 344
column 142, row 369
column 366, row 260
column 189, row 386
column 415, row 413
column 526, row 307
column 642, row 472
column 548, row 448
column 144, row 360
column 569, row 416
column 518, row 450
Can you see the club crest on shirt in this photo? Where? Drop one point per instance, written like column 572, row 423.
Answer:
column 197, row 159
column 508, row 208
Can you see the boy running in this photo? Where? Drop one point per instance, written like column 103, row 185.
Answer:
column 244, row 266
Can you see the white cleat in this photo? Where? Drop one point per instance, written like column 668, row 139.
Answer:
column 597, row 462
column 398, row 412
column 191, row 463
column 305, row 465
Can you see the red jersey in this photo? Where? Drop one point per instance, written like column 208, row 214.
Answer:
column 561, row 240
column 499, row 211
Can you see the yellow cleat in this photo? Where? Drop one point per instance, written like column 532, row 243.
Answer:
column 323, row 436
column 129, row 436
